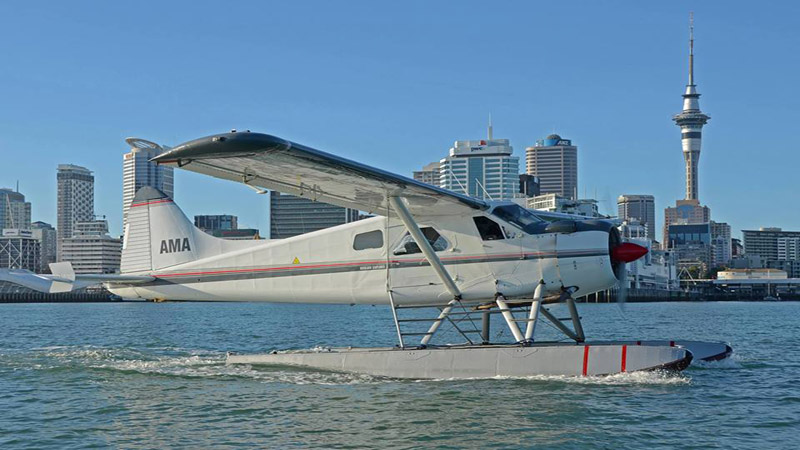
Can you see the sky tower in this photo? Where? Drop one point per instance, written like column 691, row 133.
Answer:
column 691, row 121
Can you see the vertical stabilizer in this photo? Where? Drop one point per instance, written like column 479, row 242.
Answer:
column 158, row 234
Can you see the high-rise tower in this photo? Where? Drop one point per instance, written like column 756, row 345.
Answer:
column 691, row 121
column 138, row 171
column 75, row 199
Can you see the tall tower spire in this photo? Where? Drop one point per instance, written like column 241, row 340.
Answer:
column 691, row 121
column 691, row 48
column 490, row 126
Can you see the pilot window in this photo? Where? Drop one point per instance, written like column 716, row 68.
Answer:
column 370, row 239
column 408, row 246
column 488, row 228
column 520, row 217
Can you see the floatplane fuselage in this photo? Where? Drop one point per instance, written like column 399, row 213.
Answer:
column 503, row 250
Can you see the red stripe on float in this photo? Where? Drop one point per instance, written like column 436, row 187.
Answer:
column 638, row 342
column 585, row 359
column 624, row 357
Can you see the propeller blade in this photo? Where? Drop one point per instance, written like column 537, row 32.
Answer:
column 622, row 281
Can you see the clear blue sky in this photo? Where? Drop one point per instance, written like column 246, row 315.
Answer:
column 393, row 84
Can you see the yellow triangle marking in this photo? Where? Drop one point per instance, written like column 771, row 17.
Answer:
column 296, row 261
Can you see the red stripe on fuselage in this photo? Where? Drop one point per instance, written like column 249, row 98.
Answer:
column 346, row 264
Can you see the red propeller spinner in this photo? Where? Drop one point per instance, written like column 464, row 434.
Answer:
column 627, row 252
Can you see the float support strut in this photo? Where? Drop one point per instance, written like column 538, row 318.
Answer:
column 512, row 323
column 533, row 316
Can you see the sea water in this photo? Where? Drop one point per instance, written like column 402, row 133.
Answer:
column 146, row 375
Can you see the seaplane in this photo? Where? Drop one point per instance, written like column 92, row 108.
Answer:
column 461, row 259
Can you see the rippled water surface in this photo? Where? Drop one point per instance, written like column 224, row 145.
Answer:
column 144, row 375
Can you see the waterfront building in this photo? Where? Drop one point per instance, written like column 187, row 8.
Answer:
column 554, row 161
column 790, row 266
column 776, row 248
column 685, row 212
column 15, row 212
column 737, row 249
column 291, row 215
column 691, row 121
column 721, row 243
column 46, row 234
column 484, row 169
column 632, row 229
column 209, row 223
column 692, row 246
column 19, row 249
column 429, row 174
column 75, row 200
column 556, row 203
column 764, row 242
column 752, row 274
column 91, row 249
column 138, row 171
column 789, row 248
column 639, row 208
column 658, row 270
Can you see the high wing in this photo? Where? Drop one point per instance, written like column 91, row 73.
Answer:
column 261, row 160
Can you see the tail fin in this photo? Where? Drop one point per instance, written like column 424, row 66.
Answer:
column 158, row 234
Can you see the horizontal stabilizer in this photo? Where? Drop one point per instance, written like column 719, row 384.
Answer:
column 56, row 283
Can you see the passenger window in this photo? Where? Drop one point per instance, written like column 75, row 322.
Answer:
column 408, row 246
column 370, row 239
column 488, row 228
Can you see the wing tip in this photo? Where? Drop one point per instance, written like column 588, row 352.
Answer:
column 232, row 143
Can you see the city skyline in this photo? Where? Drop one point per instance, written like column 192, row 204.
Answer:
column 73, row 116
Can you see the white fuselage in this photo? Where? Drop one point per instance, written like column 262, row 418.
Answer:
column 325, row 267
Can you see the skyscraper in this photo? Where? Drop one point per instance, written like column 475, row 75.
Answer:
column 91, row 250
column 19, row 249
column 75, row 199
column 216, row 222
column 290, row 215
column 721, row 243
column 138, row 171
column 641, row 208
column 429, row 174
column 554, row 161
column 48, row 239
column 15, row 212
column 482, row 169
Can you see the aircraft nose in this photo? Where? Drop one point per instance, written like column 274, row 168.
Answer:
column 627, row 252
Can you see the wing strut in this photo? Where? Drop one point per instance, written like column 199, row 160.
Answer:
column 425, row 246
column 412, row 227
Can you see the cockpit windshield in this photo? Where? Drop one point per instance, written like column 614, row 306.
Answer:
column 519, row 216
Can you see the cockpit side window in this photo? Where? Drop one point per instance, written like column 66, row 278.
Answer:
column 408, row 246
column 519, row 217
column 488, row 228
